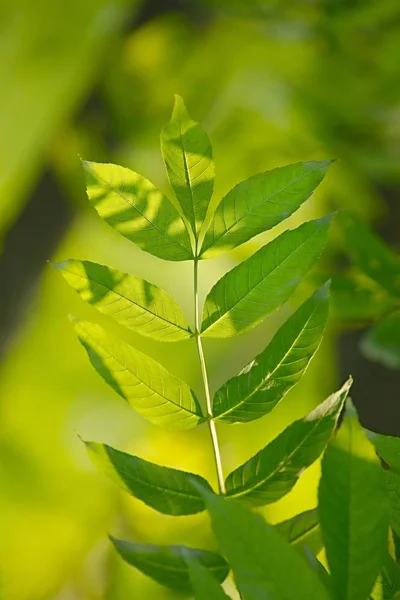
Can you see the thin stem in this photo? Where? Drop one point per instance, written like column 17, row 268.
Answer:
column 211, row 424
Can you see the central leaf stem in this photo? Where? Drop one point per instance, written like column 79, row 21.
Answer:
column 211, row 424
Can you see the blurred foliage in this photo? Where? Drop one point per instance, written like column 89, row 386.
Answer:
column 272, row 83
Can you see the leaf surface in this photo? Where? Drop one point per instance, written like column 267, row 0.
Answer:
column 353, row 512
column 134, row 207
column 261, row 202
column 274, row 471
column 168, row 564
column 269, row 376
column 387, row 586
column 204, row 585
column 169, row 491
column 264, row 565
column 157, row 395
column 131, row 301
column 259, row 285
column 187, row 155
column 370, row 253
column 302, row 531
column 382, row 341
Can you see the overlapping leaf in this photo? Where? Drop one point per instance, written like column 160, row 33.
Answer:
column 134, row 207
column 133, row 302
column 274, row 471
column 159, row 396
column 188, row 159
column 353, row 512
column 204, row 585
column 263, row 282
column 387, row 586
column 264, row 564
column 268, row 377
column 371, row 254
column 302, row 531
column 261, row 202
column 167, row 490
column 168, row 564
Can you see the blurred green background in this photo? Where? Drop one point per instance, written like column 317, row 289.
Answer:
column 272, row 83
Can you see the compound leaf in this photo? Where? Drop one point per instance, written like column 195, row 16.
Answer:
column 159, row 396
column 273, row 472
column 167, row 490
column 260, row 559
column 168, row 564
column 188, row 159
column 204, row 584
column 268, row 377
column 302, row 531
column 261, row 202
column 353, row 511
column 259, row 285
column 370, row 253
column 134, row 207
column 131, row 301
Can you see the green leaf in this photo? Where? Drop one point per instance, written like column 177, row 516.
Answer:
column 353, row 512
column 134, row 207
column 274, row 471
column 204, row 585
column 268, row 377
column 302, row 531
column 167, row 490
column 370, row 253
column 264, row 565
column 133, row 302
column 168, row 564
column 388, row 585
column 359, row 300
column 263, row 282
column 187, row 154
column 388, row 448
column 392, row 482
column 160, row 397
column 382, row 341
column 260, row 203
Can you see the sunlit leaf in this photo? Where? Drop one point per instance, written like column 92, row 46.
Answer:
column 392, row 481
column 261, row 202
column 268, row 377
column 134, row 207
column 302, row 531
column 168, row 564
column 159, row 396
column 204, row 585
column 188, row 159
column 274, row 471
column 264, row 564
column 133, row 302
column 382, row 341
column 387, row 586
column 168, row 491
column 370, row 253
column 259, row 285
column 388, row 448
column 353, row 512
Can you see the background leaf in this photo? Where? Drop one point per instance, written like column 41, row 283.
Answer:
column 156, row 394
column 260, row 284
column 167, row 490
column 131, row 301
column 382, row 341
column 353, row 511
column 274, row 471
column 260, row 559
column 188, row 159
column 302, row 531
column 204, row 585
column 370, row 253
column 168, row 564
column 261, row 202
column 387, row 586
column 270, row 375
column 134, row 207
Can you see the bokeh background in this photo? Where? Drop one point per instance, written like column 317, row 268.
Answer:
column 272, row 82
